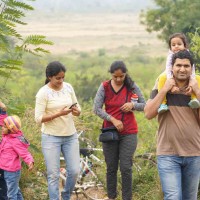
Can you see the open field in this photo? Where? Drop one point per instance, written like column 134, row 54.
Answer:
column 93, row 31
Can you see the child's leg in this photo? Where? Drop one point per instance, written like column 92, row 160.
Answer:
column 161, row 81
column 194, row 103
column 193, row 96
column 12, row 182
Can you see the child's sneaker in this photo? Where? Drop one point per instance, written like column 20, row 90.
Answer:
column 194, row 103
column 163, row 108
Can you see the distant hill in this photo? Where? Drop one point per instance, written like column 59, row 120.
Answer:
column 56, row 6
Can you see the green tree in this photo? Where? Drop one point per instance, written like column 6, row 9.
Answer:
column 86, row 87
column 12, row 44
column 170, row 16
column 195, row 47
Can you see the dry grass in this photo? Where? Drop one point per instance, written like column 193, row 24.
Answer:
column 90, row 32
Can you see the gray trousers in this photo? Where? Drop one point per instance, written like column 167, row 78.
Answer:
column 120, row 153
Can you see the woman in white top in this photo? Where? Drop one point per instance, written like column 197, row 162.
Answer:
column 53, row 110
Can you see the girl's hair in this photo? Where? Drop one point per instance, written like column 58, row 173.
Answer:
column 121, row 65
column 178, row 35
column 53, row 68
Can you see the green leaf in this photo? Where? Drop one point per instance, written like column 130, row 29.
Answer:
column 171, row 16
column 12, row 44
column 37, row 40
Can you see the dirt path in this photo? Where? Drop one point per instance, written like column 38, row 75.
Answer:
column 93, row 192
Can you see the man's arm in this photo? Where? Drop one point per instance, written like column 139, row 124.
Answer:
column 152, row 105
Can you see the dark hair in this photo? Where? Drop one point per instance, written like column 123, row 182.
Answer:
column 128, row 82
column 178, row 35
column 53, row 68
column 183, row 54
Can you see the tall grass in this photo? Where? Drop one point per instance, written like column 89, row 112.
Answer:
column 145, row 184
column 85, row 72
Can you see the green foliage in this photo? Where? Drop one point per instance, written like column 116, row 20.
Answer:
column 85, row 72
column 33, row 184
column 12, row 44
column 87, row 87
column 195, row 47
column 172, row 16
column 102, row 52
column 145, row 181
column 9, row 65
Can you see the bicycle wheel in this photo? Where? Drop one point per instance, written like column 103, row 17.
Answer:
column 88, row 191
column 95, row 193
column 78, row 194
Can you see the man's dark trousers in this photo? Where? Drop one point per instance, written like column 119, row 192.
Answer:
column 3, row 188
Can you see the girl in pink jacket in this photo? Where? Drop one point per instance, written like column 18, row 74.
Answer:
column 13, row 146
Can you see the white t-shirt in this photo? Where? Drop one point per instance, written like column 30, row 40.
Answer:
column 48, row 102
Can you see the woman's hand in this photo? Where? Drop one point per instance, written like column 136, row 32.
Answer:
column 117, row 123
column 65, row 111
column 62, row 112
column 75, row 111
column 127, row 107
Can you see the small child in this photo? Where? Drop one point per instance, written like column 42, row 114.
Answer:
column 13, row 146
column 177, row 42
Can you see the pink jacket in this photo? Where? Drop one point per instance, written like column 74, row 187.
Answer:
column 12, row 148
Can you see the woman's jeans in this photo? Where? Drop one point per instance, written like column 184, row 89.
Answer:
column 179, row 177
column 52, row 146
column 12, row 182
column 120, row 151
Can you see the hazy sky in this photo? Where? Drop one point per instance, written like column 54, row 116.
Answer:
column 91, row 5
column 87, row 25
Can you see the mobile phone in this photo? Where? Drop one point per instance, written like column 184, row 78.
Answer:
column 72, row 105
